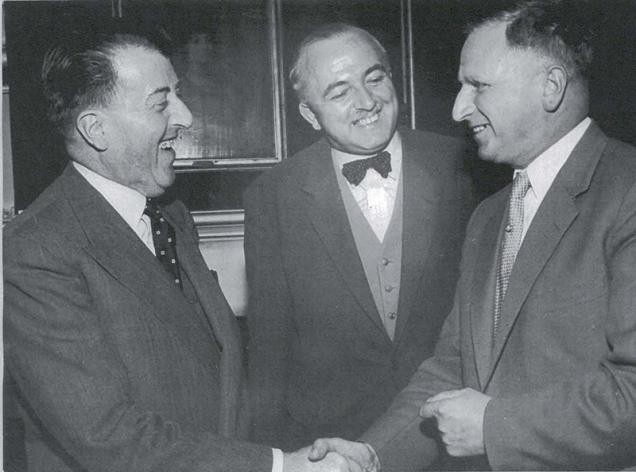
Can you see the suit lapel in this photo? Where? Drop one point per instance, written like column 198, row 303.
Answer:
column 328, row 215
column 118, row 250
column 555, row 215
column 483, row 286
column 420, row 217
column 220, row 317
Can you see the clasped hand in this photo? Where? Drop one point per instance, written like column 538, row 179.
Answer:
column 333, row 455
column 460, row 420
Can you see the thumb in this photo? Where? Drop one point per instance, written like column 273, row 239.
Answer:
column 319, row 450
column 429, row 409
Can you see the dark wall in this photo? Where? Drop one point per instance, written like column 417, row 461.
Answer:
column 437, row 37
column 29, row 27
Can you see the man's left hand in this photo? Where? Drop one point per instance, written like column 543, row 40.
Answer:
column 460, row 420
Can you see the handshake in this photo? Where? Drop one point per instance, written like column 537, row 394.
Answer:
column 333, row 455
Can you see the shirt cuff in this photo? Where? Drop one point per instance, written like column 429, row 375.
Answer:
column 277, row 460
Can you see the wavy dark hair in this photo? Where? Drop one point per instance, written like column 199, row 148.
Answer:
column 79, row 73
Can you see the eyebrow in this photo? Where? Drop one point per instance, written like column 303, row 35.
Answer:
column 370, row 70
column 165, row 89
column 159, row 90
column 375, row 67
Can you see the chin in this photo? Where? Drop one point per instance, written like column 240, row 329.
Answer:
column 165, row 180
column 485, row 155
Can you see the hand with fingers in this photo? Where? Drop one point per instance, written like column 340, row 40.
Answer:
column 460, row 420
column 359, row 454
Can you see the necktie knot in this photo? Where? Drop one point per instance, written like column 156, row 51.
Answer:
column 152, row 209
column 355, row 171
column 520, row 185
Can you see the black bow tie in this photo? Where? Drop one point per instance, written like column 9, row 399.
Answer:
column 355, row 171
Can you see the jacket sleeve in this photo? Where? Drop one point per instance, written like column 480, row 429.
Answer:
column 269, row 314
column 74, row 385
column 402, row 439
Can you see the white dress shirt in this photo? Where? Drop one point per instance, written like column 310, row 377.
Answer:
column 375, row 195
column 544, row 168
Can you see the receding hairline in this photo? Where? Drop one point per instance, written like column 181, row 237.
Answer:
column 521, row 34
column 300, row 65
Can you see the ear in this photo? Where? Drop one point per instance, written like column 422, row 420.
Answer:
column 309, row 115
column 90, row 126
column 556, row 83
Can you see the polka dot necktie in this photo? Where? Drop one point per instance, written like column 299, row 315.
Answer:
column 511, row 241
column 165, row 241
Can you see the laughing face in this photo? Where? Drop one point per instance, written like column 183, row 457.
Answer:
column 501, row 97
column 142, row 121
column 348, row 93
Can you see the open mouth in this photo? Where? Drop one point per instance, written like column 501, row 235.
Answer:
column 168, row 144
column 478, row 129
column 368, row 120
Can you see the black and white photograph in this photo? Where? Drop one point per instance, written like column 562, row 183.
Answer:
column 318, row 235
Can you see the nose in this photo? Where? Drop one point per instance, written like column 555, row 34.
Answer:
column 364, row 99
column 464, row 104
column 181, row 116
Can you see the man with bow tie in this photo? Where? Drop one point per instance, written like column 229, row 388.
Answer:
column 352, row 249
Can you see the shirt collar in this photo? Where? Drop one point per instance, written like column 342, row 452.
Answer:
column 129, row 203
column 543, row 170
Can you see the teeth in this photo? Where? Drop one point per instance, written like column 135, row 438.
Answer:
column 477, row 129
column 368, row 120
column 167, row 144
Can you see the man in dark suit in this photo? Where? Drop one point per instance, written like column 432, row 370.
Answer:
column 123, row 352
column 352, row 249
column 536, row 364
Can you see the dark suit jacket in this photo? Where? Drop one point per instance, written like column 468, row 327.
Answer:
column 114, row 369
column 321, row 362
column 563, row 370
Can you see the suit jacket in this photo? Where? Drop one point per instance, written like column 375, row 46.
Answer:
column 562, row 373
column 321, row 362
column 114, row 369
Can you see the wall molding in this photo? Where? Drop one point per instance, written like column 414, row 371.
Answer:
column 220, row 225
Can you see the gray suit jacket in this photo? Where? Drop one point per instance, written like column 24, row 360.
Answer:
column 563, row 370
column 321, row 362
column 114, row 369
